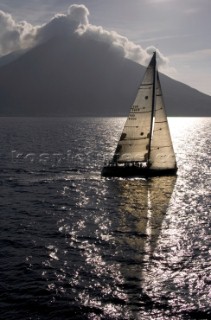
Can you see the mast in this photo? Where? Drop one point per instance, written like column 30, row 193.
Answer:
column 153, row 107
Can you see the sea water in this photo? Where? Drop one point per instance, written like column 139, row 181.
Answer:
column 74, row 245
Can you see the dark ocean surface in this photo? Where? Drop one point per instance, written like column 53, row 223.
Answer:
column 74, row 245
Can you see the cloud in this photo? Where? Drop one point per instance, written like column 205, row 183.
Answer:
column 118, row 42
column 79, row 13
column 18, row 35
column 128, row 48
column 14, row 36
column 64, row 24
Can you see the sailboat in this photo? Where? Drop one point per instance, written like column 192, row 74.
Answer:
column 145, row 146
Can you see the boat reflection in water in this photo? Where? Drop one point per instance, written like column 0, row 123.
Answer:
column 141, row 211
column 101, row 267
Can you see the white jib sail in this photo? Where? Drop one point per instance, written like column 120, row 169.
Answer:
column 162, row 154
column 134, row 141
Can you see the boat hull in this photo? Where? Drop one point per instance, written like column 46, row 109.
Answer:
column 134, row 171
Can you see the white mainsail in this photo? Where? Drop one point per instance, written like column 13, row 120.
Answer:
column 135, row 139
column 162, row 154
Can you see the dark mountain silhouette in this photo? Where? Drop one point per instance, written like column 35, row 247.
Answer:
column 83, row 77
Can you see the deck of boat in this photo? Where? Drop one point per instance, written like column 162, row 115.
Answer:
column 135, row 171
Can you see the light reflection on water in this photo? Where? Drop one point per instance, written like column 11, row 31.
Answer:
column 140, row 255
column 113, row 245
column 100, row 248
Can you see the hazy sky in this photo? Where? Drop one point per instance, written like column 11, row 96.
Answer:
column 180, row 29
